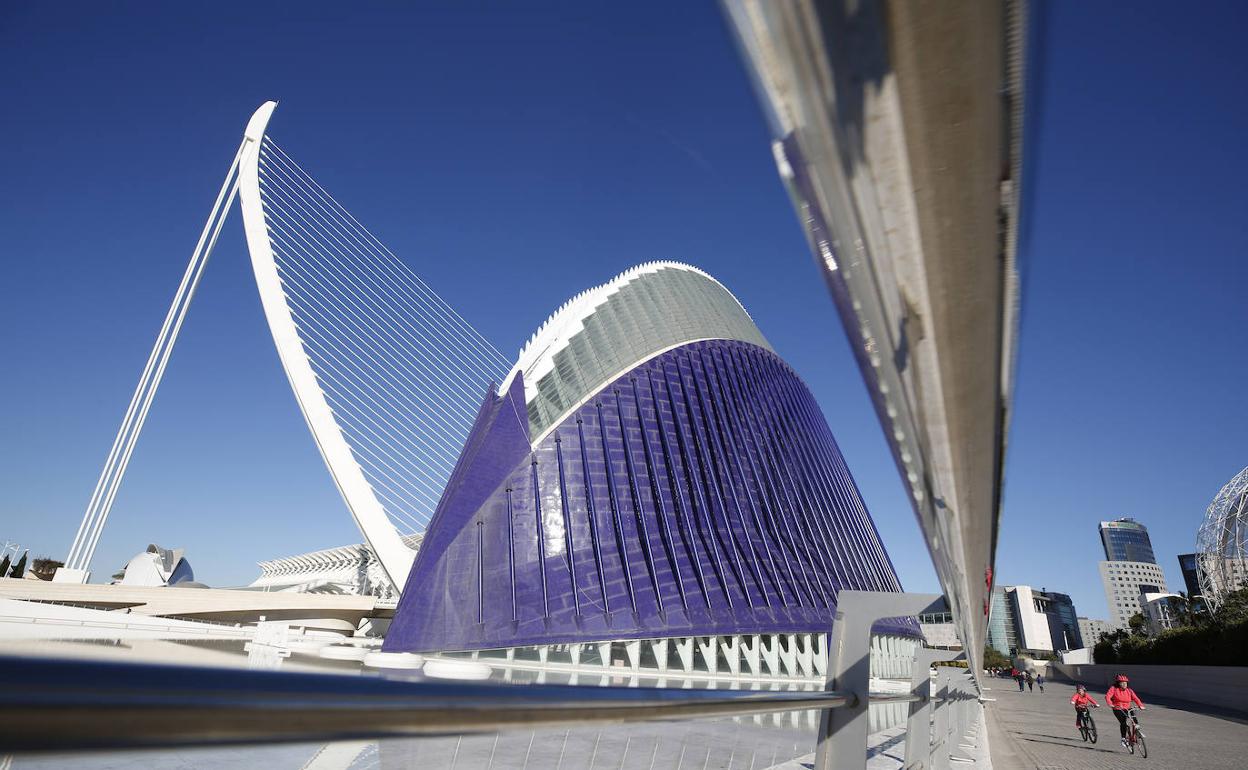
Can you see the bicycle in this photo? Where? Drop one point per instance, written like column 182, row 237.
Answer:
column 1135, row 736
column 1087, row 726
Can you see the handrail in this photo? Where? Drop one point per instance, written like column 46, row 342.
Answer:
column 66, row 705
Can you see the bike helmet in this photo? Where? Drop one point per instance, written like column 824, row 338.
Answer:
column 1121, row 679
column 1081, row 688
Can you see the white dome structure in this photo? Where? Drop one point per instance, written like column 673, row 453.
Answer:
column 1222, row 542
column 158, row 567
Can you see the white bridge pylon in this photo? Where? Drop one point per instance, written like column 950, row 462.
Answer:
column 387, row 375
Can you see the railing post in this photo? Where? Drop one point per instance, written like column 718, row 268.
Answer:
column 919, row 725
column 968, row 701
column 843, row 731
column 953, row 717
column 940, row 743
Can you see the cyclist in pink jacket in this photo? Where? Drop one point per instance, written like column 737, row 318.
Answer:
column 1081, row 700
column 1120, row 698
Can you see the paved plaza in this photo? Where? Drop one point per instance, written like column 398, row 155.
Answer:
column 1036, row 731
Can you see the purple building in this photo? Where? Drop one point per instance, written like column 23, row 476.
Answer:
column 649, row 470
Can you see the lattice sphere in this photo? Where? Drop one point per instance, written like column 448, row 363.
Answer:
column 1222, row 542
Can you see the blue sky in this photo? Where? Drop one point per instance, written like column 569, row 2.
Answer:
column 515, row 157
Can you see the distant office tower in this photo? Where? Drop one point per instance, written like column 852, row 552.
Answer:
column 1126, row 539
column 1189, row 566
column 1025, row 620
column 1129, row 570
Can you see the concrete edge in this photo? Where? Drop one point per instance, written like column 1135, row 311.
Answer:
column 1005, row 752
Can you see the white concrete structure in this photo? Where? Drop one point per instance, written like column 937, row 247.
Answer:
column 738, row 658
column 42, row 620
column 942, row 635
column 939, row 630
column 1162, row 610
column 1124, row 581
column 1033, row 625
column 339, row 614
column 1091, row 629
column 158, row 567
column 348, row 570
column 1081, row 655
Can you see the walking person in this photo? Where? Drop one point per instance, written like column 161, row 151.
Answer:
column 1031, row 682
column 1040, row 681
column 1018, row 677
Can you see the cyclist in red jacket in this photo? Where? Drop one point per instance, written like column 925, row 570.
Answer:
column 1119, row 698
column 1081, row 700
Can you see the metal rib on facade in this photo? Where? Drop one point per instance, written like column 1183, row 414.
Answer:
column 700, row 493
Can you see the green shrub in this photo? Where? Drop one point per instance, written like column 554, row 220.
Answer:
column 1219, row 639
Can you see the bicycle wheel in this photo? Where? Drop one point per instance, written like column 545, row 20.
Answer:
column 1139, row 740
column 1083, row 733
column 1091, row 729
column 1131, row 738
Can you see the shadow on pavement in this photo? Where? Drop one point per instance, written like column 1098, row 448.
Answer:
column 1083, row 746
column 1055, row 737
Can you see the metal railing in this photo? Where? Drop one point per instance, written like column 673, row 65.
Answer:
column 75, row 705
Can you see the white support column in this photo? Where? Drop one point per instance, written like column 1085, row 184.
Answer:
column 633, row 649
column 604, row 654
column 684, row 649
column 805, row 657
column 821, row 654
column 731, row 647
column 753, row 650
column 710, row 653
column 771, row 653
column 788, row 655
column 658, row 647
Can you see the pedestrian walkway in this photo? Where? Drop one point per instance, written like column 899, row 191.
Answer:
column 1036, row 731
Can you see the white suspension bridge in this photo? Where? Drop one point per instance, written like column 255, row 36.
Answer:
column 388, row 376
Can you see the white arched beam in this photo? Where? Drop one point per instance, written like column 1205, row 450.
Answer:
column 395, row 556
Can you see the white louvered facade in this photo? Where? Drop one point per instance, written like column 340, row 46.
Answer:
column 611, row 328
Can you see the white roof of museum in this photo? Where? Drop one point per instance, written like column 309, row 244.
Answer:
column 643, row 311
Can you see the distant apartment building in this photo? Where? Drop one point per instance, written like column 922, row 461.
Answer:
column 1025, row 620
column 1125, row 582
column 1130, row 569
column 1091, row 629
